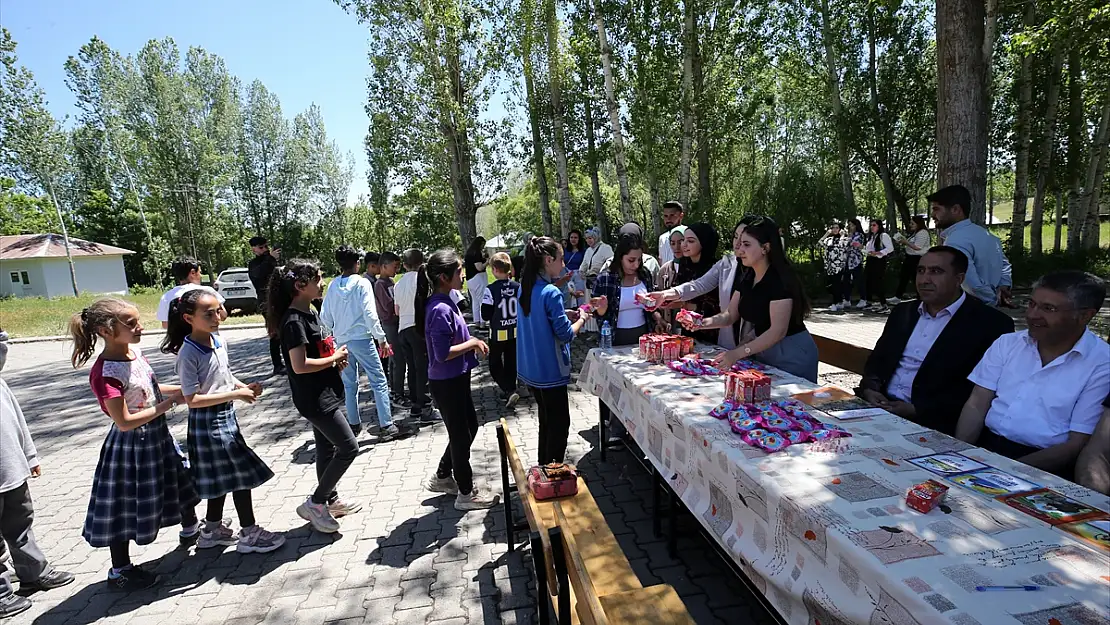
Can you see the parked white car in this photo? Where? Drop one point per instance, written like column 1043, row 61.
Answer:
column 235, row 285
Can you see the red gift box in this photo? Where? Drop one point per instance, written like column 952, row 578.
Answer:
column 925, row 496
column 326, row 347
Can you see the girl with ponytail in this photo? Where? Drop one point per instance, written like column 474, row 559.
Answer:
column 451, row 358
column 544, row 333
column 314, row 363
column 142, row 482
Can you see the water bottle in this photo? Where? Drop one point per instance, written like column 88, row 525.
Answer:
column 606, row 336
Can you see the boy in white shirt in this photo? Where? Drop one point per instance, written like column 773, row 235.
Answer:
column 412, row 346
column 186, row 273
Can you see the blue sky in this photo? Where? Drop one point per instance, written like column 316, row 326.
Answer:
column 305, row 51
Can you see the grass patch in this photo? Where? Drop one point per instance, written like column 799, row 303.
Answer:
column 25, row 317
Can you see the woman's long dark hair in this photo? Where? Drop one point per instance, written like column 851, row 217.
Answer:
column 177, row 328
column 626, row 244
column 859, row 227
column 534, row 253
column 441, row 264
column 581, row 247
column 877, row 236
column 282, row 288
column 920, row 221
column 476, row 247
column 767, row 232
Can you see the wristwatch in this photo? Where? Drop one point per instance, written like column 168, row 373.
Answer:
column 747, row 351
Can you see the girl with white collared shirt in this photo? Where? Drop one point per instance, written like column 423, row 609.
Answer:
column 877, row 250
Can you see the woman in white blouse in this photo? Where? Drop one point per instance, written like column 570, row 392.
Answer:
column 877, row 250
column 917, row 245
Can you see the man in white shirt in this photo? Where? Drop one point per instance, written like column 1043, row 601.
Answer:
column 186, row 273
column 673, row 212
column 411, row 339
column 1038, row 393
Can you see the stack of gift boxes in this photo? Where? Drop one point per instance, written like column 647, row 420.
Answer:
column 747, row 387
column 660, row 348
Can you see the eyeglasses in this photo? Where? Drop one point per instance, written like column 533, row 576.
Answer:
column 1049, row 308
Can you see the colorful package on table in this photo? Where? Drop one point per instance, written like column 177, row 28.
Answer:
column 688, row 316
column 723, row 410
column 671, row 349
column 925, row 496
column 748, row 365
column 647, row 302
column 687, row 344
column 773, row 425
column 695, row 366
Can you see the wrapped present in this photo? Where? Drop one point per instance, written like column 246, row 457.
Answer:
column 925, row 496
column 645, row 301
column 689, row 317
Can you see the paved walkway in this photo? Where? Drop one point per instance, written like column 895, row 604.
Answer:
column 407, row 558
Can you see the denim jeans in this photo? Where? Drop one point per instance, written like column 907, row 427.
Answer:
column 363, row 356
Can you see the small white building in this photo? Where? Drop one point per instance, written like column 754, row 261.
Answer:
column 34, row 265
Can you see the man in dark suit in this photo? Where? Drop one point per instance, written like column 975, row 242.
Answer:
column 919, row 368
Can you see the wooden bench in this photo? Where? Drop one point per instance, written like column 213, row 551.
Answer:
column 539, row 515
column 841, row 355
column 596, row 569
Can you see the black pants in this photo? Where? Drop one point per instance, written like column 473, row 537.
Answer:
column 839, row 285
column 908, row 275
column 336, row 448
column 457, row 407
column 415, row 352
column 554, row 409
column 244, row 507
column 395, row 370
column 502, row 364
column 876, row 272
column 854, row 277
column 622, row 336
column 275, row 352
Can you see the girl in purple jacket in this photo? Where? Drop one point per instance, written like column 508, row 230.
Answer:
column 450, row 361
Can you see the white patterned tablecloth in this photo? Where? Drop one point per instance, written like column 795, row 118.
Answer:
column 825, row 533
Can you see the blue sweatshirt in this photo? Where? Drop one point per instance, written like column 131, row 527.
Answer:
column 543, row 339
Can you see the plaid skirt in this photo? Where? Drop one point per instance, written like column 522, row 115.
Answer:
column 142, row 484
column 222, row 462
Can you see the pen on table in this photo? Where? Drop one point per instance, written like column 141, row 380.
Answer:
column 992, row 588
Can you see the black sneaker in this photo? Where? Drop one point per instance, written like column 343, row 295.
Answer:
column 428, row 415
column 53, row 579
column 131, row 579
column 12, row 604
column 357, row 428
column 279, row 371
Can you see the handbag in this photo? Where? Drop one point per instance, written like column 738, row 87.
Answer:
column 553, row 480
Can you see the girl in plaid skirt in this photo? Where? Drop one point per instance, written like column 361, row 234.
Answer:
column 222, row 462
column 142, row 482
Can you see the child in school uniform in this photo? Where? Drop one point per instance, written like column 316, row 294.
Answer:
column 499, row 308
column 220, row 458
column 314, row 363
column 18, row 462
column 142, row 481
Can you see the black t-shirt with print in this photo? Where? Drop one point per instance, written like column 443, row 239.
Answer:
column 756, row 298
column 313, row 393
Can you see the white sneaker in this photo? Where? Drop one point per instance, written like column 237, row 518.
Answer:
column 319, row 516
column 893, row 301
column 341, row 507
column 476, row 500
column 442, row 485
column 862, row 304
column 834, row 308
column 845, row 305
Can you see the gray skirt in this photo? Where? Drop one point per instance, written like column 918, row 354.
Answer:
column 796, row 354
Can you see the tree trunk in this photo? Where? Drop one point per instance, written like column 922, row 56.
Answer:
column 705, row 194
column 1048, row 142
column 646, row 110
column 591, row 153
column 832, row 65
column 686, row 153
column 614, row 115
column 1096, row 169
column 1024, row 140
column 1059, row 225
column 555, row 73
column 961, row 109
column 881, row 152
column 537, row 142
column 1077, row 138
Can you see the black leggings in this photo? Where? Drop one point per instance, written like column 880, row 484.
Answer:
column 876, row 272
column 121, row 549
column 908, row 275
column 457, row 407
column 336, row 448
column 243, row 506
column 554, row 408
column 275, row 352
column 502, row 364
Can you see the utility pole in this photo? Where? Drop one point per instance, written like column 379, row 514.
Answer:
column 65, row 237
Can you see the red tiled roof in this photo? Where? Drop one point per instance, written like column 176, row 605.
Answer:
column 53, row 246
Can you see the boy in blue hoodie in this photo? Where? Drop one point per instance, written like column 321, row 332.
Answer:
column 351, row 312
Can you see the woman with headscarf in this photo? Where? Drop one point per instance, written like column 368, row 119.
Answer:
column 595, row 256
column 474, row 262
column 768, row 297
column 668, row 273
column 699, row 254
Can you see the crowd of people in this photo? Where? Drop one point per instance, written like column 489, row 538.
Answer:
column 947, row 359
